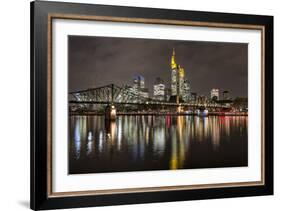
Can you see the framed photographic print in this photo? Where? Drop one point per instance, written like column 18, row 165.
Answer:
column 140, row 105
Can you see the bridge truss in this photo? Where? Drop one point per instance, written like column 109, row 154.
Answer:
column 108, row 94
column 125, row 96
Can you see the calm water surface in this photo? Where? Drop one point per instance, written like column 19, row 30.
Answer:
column 139, row 143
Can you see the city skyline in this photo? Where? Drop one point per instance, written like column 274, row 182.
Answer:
column 87, row 61
column 132, row 105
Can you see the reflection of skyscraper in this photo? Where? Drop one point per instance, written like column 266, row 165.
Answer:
column 159, row 89
column 179, row 84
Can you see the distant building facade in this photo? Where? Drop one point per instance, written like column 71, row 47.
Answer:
column 159, row 89
column 215, row 94
column 202, row 99
column 193, row 97
column 225, row 95
column 138, row 88
column 186, row 95
column 144, row 93
column 168, row 93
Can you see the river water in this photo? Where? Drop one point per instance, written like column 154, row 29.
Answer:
column 141, row 143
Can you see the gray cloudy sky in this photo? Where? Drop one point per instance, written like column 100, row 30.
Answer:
column 98, row 61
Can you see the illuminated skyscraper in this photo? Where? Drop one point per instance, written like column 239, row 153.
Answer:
column 186, row 95
column 193, row 97
column 159, row 89
column 181, row 81
column 136, row 86
column 215, row 94
column 180, row 87
column 139, row 87
column 141, row 81
column 174, row 75
column 144, row 93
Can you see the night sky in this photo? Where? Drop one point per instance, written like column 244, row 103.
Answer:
column 98, row 61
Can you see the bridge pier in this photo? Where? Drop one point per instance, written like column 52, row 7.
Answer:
column 110, row 113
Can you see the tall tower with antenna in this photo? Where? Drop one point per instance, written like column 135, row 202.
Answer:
column 180, row 87
column 174, row 75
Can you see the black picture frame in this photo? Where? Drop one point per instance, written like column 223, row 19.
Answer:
column 40, row 131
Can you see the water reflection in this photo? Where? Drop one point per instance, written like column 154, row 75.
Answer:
column 134, row 143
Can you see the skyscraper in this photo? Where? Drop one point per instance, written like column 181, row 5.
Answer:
column 159, row 89
column 215, row 94
column 186, row 95
column 139, row 82
column 167, row 93
column 193, row 97
column 174, row 75
column 144, row 93
column 136, row 86
column 139, row 87
column 225, row 95
column 180, row 87
column 181, row 81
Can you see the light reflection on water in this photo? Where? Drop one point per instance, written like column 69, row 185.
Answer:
column 133, row 143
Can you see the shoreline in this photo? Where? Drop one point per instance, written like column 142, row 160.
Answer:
column 159, row 114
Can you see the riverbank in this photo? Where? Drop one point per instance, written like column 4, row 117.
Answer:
column 86, row 113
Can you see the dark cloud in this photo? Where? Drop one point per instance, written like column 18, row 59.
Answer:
column 97, row 61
